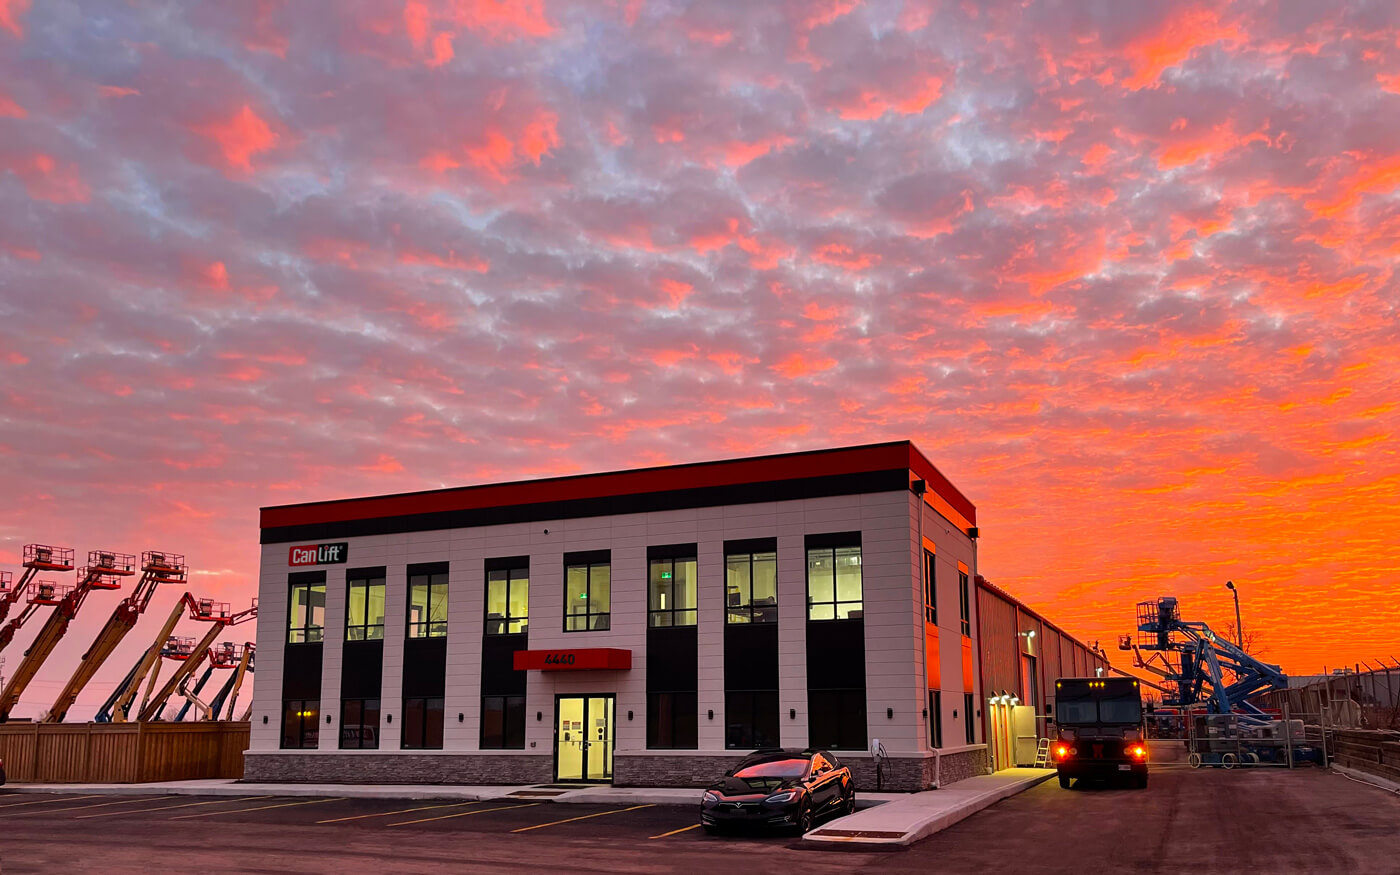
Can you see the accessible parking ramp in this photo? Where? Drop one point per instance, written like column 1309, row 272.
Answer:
column 914, row 816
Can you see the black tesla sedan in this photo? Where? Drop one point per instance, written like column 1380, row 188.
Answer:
column 783, row 788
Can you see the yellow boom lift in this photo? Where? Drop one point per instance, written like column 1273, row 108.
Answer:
column 117, row 708
column 103, row 571
column 37, row 558
column 156, row 568
column 189, row 659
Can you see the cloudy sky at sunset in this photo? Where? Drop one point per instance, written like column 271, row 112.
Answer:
column 1125, row 271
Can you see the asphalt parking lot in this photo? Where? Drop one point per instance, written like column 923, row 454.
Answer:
column 1208, row 820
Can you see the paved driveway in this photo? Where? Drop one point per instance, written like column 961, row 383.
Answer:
column 1209, row 820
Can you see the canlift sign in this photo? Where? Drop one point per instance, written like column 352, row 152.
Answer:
column 319, row 554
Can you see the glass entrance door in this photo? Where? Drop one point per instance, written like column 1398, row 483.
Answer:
column 583, row 738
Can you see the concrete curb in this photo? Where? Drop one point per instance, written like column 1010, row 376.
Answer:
column 1367, row 778
column 865, row 831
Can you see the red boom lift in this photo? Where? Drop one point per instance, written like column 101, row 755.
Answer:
column 37, row 558
column 102, row 572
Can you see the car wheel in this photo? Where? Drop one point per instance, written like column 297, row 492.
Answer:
column 1064, row 781
column 709, row 829
column 804, row 819
column 850, row 806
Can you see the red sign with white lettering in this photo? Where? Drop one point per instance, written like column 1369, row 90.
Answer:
column 584, row 659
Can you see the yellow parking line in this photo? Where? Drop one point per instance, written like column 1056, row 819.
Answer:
column 674, row 831
column 258, row 808
column 463, row 814
column 169, row 807
column 400, row 811
column 48, row 801
column 86, row 807
column 581, row 817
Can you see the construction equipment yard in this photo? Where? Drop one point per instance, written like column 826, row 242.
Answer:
column 1192, row 820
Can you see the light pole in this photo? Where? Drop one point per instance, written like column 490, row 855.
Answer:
column 1239, row 628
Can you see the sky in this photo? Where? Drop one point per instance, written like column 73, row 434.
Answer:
column 1125, row 271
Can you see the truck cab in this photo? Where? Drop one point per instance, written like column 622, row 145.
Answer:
column 1098, row 730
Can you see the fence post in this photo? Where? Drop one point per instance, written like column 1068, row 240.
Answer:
column 1287, row 735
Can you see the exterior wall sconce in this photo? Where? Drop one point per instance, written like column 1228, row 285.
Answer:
column 539, row 715
column 461, row 717
column 264, row 719
column 629, row 715
column 955, row 712
column 792, row 713
column 712, row 713
column 925, row 712
column 389, row 718
column 889, row 713
column 328, row 719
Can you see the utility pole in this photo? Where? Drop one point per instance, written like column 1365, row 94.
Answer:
column 1239, row 626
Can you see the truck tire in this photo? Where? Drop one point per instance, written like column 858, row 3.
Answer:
column 1064, row 781
column 1141, row 781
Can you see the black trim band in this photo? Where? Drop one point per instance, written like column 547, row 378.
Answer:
column 421, row 568
column 833, row 539
column 750, row 545
column 588, row 557
column 680, row 499
column 673, row 551
column 507, row 563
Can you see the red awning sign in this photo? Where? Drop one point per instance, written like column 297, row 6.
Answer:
column 582, row 659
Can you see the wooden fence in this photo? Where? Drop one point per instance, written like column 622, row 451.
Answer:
column 122, row 753
column 1377, row 753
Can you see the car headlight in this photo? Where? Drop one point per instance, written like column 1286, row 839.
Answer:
column 779, row 798
column 709, row 798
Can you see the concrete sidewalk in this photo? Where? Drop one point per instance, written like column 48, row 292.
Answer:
column 536, row 792
column 914, row 816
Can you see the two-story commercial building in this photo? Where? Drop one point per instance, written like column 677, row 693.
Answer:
column 644, row 627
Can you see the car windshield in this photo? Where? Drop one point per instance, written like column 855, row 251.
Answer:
column 773, row 769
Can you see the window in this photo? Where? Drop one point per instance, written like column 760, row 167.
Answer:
column 300, row 723
column 587, row 597
column 930, row 589
column 833, row 584
column 836, row 719
column 671, row 592
column 306, row 620
column 751, row 588
column 364, row 608
column 968, row 726
column 503, row 722
column 359, row 723
column 935, row 719
column 422, row 723
column 507, row 601
column 964, row 604
column 427, row 605
column 751, row 720
column 672, row 721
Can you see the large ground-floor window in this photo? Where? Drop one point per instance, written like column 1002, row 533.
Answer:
column 672, row 721
column 359, row 723
column 935, row 718
column 422, row 723
column 300, row 723
column 836, row 719
column 503, row 722
column 751, row 719
column 968, row 726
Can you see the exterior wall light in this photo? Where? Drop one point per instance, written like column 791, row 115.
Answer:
column 792, row 713
column 461, row 717
column 539, row 715
column 328, row 719
column 629, row 715
column 712, row 713
column 889, row 713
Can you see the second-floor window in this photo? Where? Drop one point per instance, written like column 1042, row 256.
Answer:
column 427, row 605
column 507, row 601
column 671, row 592
column 306, row 619
column 930, row 589
column 751, row 588
column 587, row 597
column 964, row 603
column 364, row 608
column 834, row 590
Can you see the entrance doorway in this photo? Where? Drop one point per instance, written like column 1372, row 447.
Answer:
column 583, row 738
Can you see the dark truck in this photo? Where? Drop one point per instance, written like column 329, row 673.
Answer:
column 1098, row 730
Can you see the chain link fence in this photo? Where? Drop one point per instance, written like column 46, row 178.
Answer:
column 1229, row 741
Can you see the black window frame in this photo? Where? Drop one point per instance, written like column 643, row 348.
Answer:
column 842, row 706
column 969, row 727
column 429, row 729
column 512, row 730
column 930, row 587
column 515, row 573
column 369, row 578
column 965, row 603
column 306, row 630
column 836, row 602
column 590, row 616
column 745, row 611
column 935, row 717
column 747, row 703
column 427, row 628
column 362, row 703
column 671, row 613
column 677, row 712
column 307, row 718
